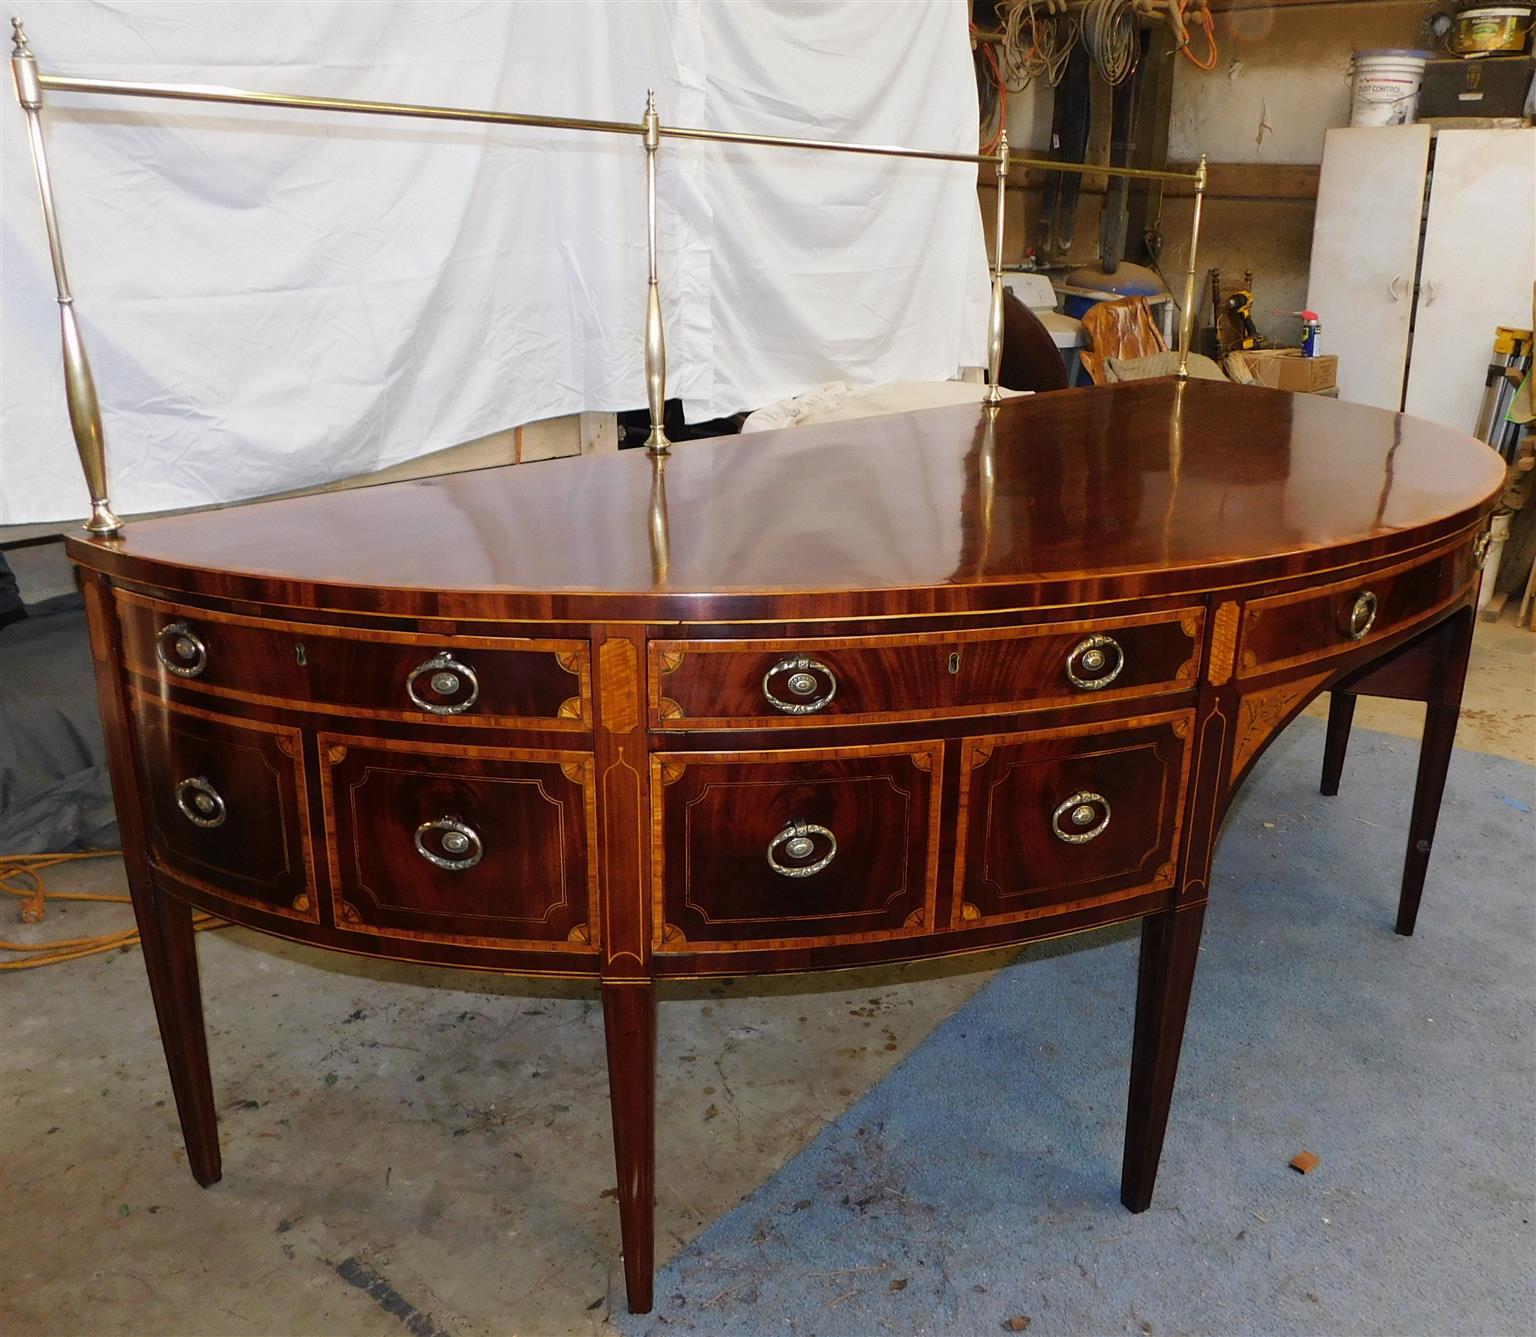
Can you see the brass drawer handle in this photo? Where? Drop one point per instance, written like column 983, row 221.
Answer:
column 1362, row 616
column 801, row 683
column 459, row 842
column 1095, row 662
column 180, row 651
column 448, row 676
column 796, row 841
column 200, row 803
column 1082, row 812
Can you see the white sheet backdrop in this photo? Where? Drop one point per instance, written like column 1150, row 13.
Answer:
column 274, row 299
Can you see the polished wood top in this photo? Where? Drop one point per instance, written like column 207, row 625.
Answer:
column 1086, row 494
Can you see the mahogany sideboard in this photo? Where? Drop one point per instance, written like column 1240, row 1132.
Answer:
column 913, row 686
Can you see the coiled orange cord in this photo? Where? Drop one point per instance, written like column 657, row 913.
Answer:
column 21, row 875
column 1208, row 24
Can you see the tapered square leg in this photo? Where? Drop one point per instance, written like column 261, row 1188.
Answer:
column 1169, row 944
column 1341, row 714
column 629, row 1025
column 170, row 960
column 1434, row 762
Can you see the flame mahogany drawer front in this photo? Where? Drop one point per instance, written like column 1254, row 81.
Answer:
column 492, row 846
column 224, row 805
column 473, row 680
column 1062, row 817
column 734, row 684
column 775, row 848
column 1289, row 629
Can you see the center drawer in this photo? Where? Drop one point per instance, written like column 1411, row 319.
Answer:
column 749, row 684
column 774, row 849
column 361, row 671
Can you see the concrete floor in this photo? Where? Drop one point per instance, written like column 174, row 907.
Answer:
column 421, row 1151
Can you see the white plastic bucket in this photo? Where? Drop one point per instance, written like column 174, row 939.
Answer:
column 1387, row 87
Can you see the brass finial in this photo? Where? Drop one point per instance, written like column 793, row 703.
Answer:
column 19, row 45
column 650, row 101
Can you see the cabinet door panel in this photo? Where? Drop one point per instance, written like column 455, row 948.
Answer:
column 1479, row 264
column 1370, row 198
column 226, row 804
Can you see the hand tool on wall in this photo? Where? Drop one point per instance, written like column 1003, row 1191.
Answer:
column 1114, row 216
column 1069, row 139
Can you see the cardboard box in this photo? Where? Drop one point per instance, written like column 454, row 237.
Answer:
column 1286, row 369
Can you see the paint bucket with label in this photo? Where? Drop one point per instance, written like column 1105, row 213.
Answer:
column 1491, row 28
column 1386, row 88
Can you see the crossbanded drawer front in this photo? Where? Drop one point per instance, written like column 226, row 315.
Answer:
column 1062, row 817
column 470, row 680
column 1290, row 629
column 224, row 805
column 488, row 846
column 738, row 684
column 809, row 847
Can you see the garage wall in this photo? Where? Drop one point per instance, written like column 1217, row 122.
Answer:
column 1281, row 81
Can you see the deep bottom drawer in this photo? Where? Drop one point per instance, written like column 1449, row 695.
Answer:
column 1058, row 817
column 482, row 845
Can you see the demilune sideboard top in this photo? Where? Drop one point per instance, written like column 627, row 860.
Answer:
column 907, row 687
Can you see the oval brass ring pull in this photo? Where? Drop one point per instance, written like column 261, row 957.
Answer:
column 200, row 803
column 459, row 842
column 448, row 677
column 1362, row 615
column 802, row 684
column 180, row 651
column 1095, row 662
column 797, row 840
column 1086, row 814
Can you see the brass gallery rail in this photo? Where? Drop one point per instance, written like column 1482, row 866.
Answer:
column 84, row 411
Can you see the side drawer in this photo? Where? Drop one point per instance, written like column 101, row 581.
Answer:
column 774, row 849
column 487, row 846
column 749, row 684
column 1064, row 817
column 476, row 680
column 224, row 805
column 1289, row 629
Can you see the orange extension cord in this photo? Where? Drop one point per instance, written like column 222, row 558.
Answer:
column 21, row 875
column 1206, row 22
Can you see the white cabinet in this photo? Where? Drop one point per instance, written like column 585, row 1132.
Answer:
column 1419, row 251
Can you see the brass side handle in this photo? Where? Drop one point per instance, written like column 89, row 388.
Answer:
column 1095, row 662
column 180, row 650
column 1480, row 547
column 1086, row 814
column 200, row 803
column 1362, row 616
column 448, row 677
column 811, row 685
column 458, row 844
column 799, row 840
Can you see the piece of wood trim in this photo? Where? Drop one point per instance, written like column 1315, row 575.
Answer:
column 1251, row 181
column 1228, row 181
column 1221, row 6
